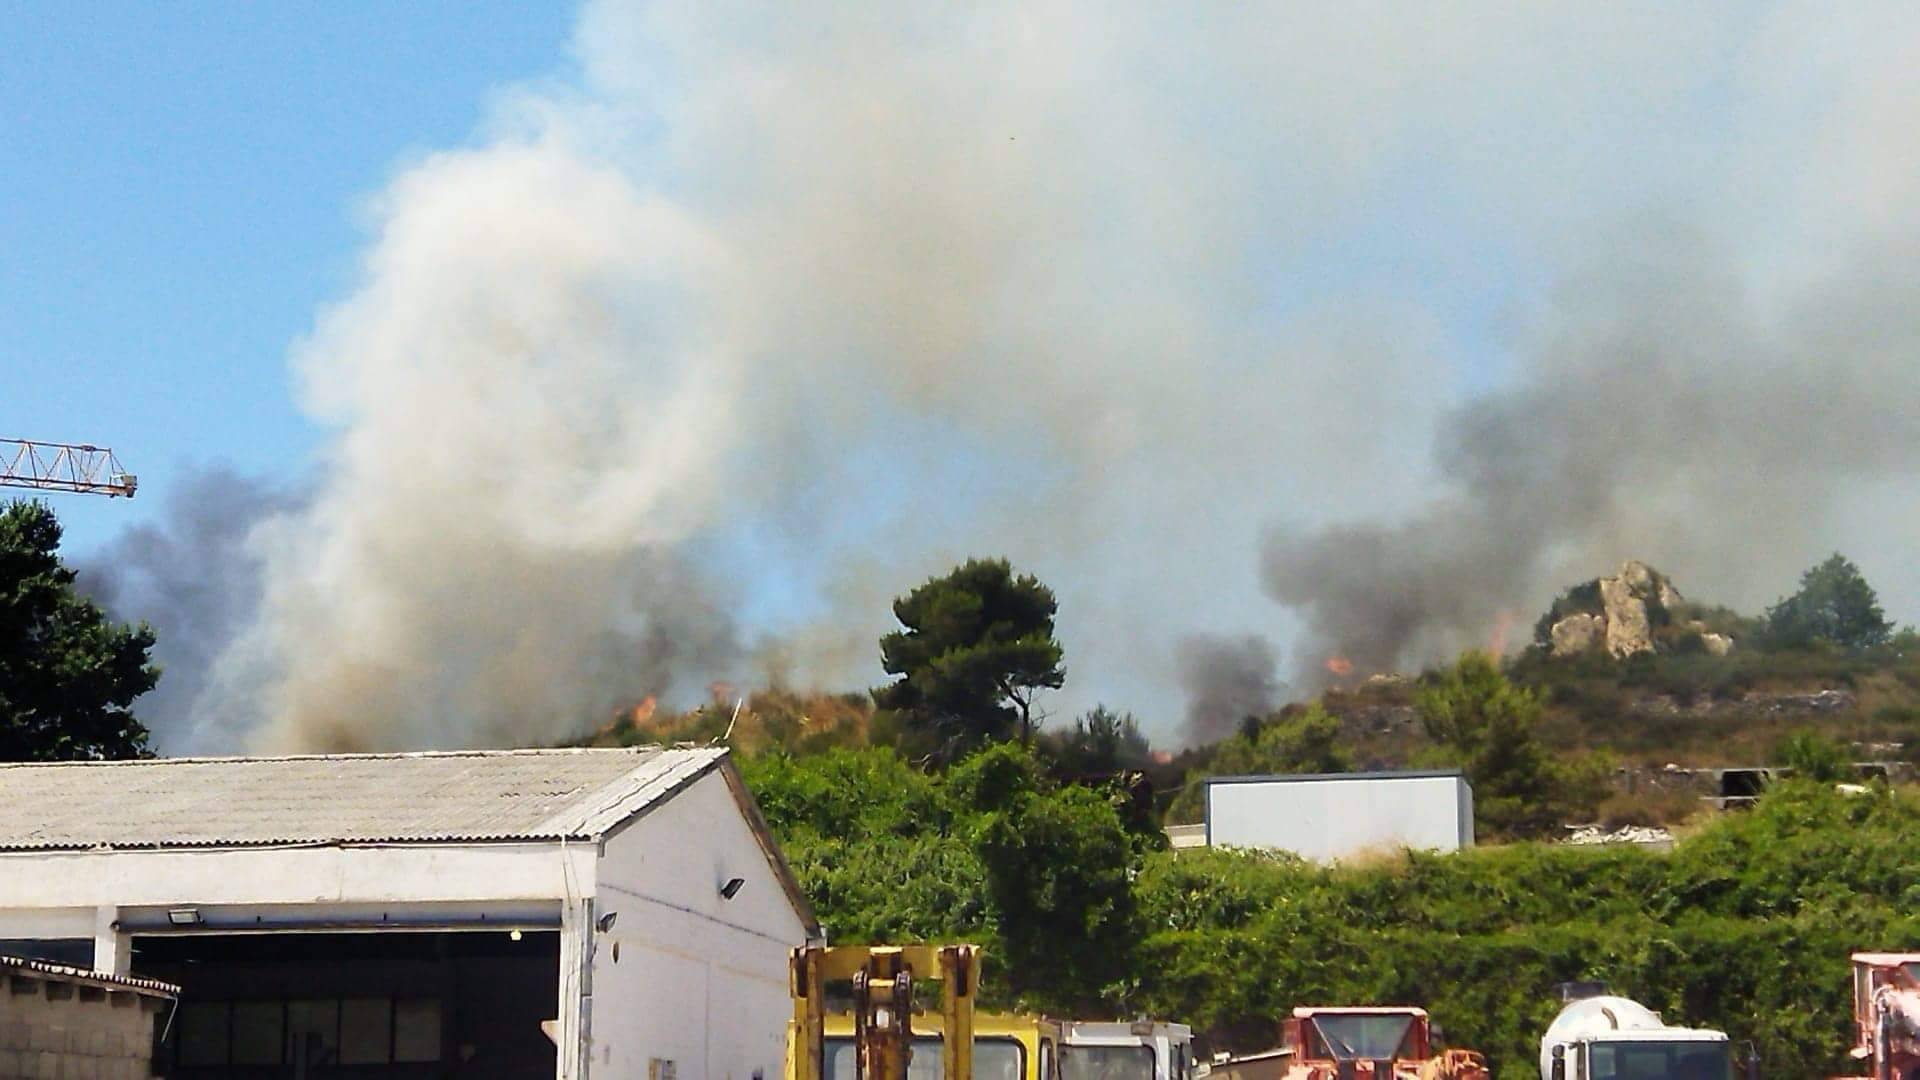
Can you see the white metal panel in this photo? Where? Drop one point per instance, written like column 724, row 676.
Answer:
column 1331, row 817
column 290, row 875
column 46, row 922
column 700, row 980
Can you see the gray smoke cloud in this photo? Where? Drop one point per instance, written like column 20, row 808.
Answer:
column 1665, row 415
column 707, row 347
column 1226, row 680
column 192, row 575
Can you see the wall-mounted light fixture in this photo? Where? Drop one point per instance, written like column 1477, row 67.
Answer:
column 605, row 922
column 731, row 888
column 184, row 916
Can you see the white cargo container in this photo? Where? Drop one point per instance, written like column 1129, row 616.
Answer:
column 1334, row 815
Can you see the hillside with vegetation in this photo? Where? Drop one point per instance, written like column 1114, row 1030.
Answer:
column 1605, row 734
column 936, row 809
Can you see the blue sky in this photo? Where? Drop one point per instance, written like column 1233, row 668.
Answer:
column 179, row 191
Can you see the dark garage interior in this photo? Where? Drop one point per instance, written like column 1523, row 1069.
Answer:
column 332, row 1004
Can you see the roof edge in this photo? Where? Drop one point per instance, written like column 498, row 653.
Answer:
column 1384, row 774
column 554, row 751
column 166, row 846
column 619, row 801
column 89, row 977
column 776, row 859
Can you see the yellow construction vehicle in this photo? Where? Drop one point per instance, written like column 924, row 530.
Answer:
column 855, row 1017
column 1006, row 1046
column 882, row 981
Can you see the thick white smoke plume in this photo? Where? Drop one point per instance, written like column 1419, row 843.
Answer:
column 766, row 312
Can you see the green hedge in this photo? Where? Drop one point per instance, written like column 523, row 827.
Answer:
column 1745, row 926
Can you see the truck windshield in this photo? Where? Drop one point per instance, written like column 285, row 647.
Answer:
column 1363, row 1036
column 1106, row 1063
column 1659, row 1061
column 993, row 1059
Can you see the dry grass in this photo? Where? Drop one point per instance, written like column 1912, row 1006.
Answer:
column 766, row 720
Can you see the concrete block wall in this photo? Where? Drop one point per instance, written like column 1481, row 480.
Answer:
column 51, row 1030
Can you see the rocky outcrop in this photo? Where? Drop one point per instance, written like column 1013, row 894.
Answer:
column 1577, row 634
column 1629, row 630
column 1645, row 581
column 1628, row 614
column 1715, row 644
column 1612, row 612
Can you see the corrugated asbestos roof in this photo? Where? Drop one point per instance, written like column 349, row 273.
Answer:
column 349, row 798
column 85, row 977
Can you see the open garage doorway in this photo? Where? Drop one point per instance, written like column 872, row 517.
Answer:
column 380, row 1004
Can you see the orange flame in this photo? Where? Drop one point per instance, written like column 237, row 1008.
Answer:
column 1497, row 640
column 721, row 692
column 643, row 712
column 1340, row 665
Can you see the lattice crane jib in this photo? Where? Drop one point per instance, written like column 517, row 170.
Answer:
column 71, row 467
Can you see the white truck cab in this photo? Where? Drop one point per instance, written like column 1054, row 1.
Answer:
column 1101, row 1050
column 1616, row 1038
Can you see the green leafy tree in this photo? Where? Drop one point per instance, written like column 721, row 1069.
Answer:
column 1485, row 724
column 977, row 647
column 992, row 850
column 1302, row 741
column 1813, row 756
column 1059, row 865
column 68, row 675
column 1834, row 605
column 1102, row 741
column 1306, row 741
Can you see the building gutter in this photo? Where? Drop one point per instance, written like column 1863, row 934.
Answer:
column 159, row 924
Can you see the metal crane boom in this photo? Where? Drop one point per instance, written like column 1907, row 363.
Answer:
column 45, row 466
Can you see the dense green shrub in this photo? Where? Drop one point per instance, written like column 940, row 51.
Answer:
column 991, row 851
column 1289, row 742
column 1745, row 926
column 1813, row 756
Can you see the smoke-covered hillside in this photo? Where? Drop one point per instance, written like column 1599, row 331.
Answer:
column 1288, row 337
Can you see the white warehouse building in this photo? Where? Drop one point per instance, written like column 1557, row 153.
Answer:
column 1330, row 816
column 568, row 913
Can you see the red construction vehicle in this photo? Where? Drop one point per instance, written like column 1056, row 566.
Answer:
column 1886, row 1013
column 1386, row 1042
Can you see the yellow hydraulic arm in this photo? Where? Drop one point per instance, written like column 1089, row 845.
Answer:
column 883, row 978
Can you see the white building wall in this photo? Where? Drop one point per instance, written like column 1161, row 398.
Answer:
column 39, row 880
column 699, row 980
column 83, row 894
column 47, row 922
column 1332, row 817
